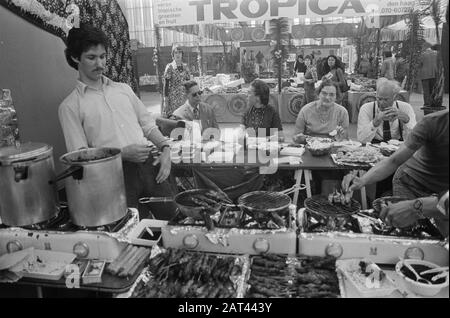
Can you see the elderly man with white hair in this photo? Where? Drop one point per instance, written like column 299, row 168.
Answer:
column 386, row 118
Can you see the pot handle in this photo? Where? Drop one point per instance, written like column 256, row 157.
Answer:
column 75, row 171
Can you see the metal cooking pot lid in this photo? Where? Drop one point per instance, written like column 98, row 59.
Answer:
column 26, row 151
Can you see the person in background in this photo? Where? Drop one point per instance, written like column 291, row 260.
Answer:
column 386, row 118
column 428, row 72
column 195, row 109
column 364, row 67
column 408, row 212
column 309, row 81
column 175, row 75
column 260, row 114
column 388, row 66
column 102, row 113
column 321, row 117
column 299, row 66
column 421, row 164
column 334, row 71
column 401, row 68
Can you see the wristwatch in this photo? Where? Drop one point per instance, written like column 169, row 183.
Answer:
column 418, row 206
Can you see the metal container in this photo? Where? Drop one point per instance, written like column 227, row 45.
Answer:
column 95, row 186
column 26, row 195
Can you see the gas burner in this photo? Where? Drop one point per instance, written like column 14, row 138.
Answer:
column 111, row 227
column 60, row 219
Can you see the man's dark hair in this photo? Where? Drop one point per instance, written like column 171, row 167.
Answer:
column 262, row 90
column 81, row 40
column 189, row 84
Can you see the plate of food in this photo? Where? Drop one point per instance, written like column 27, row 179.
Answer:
column 366, row 277
column 360, row 156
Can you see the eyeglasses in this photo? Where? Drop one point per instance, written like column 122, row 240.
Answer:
column 199, row 93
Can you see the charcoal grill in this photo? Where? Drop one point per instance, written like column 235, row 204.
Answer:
column 321, row 206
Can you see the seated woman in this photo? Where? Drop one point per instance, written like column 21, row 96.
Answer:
column 260, row 114
column 321, row 117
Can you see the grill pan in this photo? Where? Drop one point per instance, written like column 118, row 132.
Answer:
column 320, row 205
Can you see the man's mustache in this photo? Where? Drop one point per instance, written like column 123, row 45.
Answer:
column 99, row 69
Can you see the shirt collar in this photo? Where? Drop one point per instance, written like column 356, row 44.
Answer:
column 82, row 87
column 192, row 107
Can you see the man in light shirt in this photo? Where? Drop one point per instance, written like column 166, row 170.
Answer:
column 386, row 118
column 102, row 113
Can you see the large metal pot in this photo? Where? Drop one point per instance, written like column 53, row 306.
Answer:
column 26, row 196
column 95, row 186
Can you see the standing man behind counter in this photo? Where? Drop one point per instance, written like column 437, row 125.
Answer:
column 102, row 113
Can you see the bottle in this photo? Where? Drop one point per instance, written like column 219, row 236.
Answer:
column 9, row 129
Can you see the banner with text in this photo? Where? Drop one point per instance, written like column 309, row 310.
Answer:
column 187, row 12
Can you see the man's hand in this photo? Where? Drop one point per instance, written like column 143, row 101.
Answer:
column 384, row 115
column 357, row 184
column 164, row 170
column 402, row 116
column 135, row 153
column 401, row 214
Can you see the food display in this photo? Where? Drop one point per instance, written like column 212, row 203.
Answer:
column 363, row 84
column 129, row 261
column 366, row 277
column 178, row 273
column 387, row 149
column 362, row 156
column 274, row 275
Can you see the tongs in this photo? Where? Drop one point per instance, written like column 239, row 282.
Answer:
column 442, row 272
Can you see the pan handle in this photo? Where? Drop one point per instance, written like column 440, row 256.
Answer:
column 295, row 187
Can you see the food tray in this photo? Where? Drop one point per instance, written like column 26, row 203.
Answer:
column 165, row 278
column 350, row 164
column 43, row 264
column 351, row 274
column 320, row 205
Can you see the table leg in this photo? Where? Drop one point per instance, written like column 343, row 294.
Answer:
column 298, row 181
column 39, row 292
column 363, row 192
column 308, row 177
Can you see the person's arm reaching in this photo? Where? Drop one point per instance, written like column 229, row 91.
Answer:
column 384, row 168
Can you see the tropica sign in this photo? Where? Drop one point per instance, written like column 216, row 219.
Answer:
column 189, row 12
column 256, row 9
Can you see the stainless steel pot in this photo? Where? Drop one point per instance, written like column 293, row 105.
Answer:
column 26, row 196
column 95, row 186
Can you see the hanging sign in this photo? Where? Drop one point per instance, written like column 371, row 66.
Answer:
column 189, row 12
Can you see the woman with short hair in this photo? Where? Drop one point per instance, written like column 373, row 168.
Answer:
column 321, row 117
column 260, row 114
column 175, row 75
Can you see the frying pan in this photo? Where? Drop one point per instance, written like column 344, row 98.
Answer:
column 259, row 204
column 190, row 209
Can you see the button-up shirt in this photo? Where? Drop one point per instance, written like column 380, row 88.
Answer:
column 112, row 116
column 367, row 131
